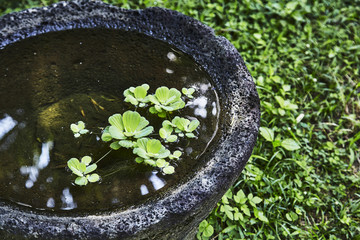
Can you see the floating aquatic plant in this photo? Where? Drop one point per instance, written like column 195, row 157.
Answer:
column 137, row 95
column 166, row 100
column 153, row 153
column 78, row 129
column 124, row 128
column 188, row 92
column 182, row 126
column 131, row 130
column 83, row 169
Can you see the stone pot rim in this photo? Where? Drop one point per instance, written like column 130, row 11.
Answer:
column 240, row 106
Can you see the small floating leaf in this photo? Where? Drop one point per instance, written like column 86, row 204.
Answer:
column 90, row 168
column 74, row 166
column 168, row 170
column 193, row 125
column 86, row 160
column 74, row 128
column 126, row 143
column 115, row 145
column 161, row 163
column 82, row 181
column 93, row 177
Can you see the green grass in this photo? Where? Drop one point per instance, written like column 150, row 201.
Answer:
column 304, row 58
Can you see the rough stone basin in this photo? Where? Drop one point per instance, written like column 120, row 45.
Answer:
column 176, row 213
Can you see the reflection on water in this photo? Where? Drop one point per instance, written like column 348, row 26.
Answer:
column 214, row 110
column 50, row 203
column 6, row 125
column 168, row 70
column 171, row 56
column 156, row 181
column 144, row 190
column 67, row 199
column 40, row 162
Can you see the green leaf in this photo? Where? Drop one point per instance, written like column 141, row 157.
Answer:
column 74, row 128
column 256, row 200
column 190, row 135
column 116, row 120
column 115, row 145
column 140, row 92
column 126, row 143
column 193, row 125
column 153, row 146
column 82, row 167
column 86, row 160
column 291, row 216
column 228, row 211
column 140, row 152
column 290, row 144
column 139, row 160
column 208, row 231
column 162, row 94
column 93, row 177
column 240, row 197
column 81, row 181
column 203, row 225
column 150, row 162
column 181, row 123
column 116, row 133
column 131, row 121
column 145, row 132
column 267, row 133
column 90, row 168
column 262, row 217
column 81, row 125
column 245, row 210
column 146, row 86
column 163, row 133
column 177, row 154
column 161, row 163
column 168, row 170
column 74, row 166
column 172, row 138
column 106, row 137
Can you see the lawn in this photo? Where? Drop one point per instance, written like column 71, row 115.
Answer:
column 303, row 179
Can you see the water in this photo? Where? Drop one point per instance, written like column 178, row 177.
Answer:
column 52, row 80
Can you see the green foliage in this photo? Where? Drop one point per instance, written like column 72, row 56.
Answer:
column 181, row 126
column 137, row 95
column 124, row 127
column 188, row 92
column 82, row 170
column 166, row 100
column 153, row 153
column 304, row 57
column 78, row 129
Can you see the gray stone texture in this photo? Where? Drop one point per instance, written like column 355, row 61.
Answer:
column 177, row 213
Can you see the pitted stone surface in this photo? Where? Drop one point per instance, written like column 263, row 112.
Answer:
column 177, row 213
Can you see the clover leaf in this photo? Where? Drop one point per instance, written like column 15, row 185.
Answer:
column 184, row 126
column 83, row 169
column 137, row 95
column 78, row 128
column 124, row 127
column 188, row 92
column 166, row 100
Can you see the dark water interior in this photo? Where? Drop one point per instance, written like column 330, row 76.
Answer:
column 52, row 80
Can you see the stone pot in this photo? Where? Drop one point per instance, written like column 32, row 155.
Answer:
column 178, row 212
